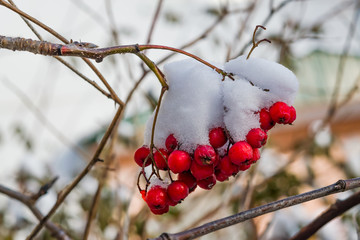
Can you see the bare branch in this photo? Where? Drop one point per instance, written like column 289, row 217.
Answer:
column 64, row 40
column 266, row 20
column 65, row 192
column 44, row 189
column 335, row 95
column 96, row 199
column 72, row 49
column 93, row 83
column 332, row 212
column 339, row 186
column 42, row 118
column 55, row 230
column 155, row 18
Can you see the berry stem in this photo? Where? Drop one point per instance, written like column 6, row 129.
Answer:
column 256, row 44
column 152, row 66
column 218, row 70
column 163, row 90
column 154, row 163
column 138, row 180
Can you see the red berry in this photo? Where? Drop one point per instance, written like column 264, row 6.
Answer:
column 179, row 161
column 292, row 115
column 201, row 171
column 217, row 137
column 207, row 183
column 226, row 167
column 142, row 154
column 280, row 112
column 205, row 155
column 220, row 176
column 157, row 199
column 256, row 137
column 244, row 167
column 217, row 160
column 266, row 123
column 188, row 179
column 171, row 143
column 240, row 153
column 160, row 158
column 256, row 155
column 172, row 203
column 177, row 191
column 160, row 211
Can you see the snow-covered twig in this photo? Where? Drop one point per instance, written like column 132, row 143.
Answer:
column 339, row 186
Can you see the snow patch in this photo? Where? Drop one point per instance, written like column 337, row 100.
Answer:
column 198, row 99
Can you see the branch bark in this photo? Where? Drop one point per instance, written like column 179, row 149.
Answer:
column 28, row 201
column 64, row 40
column 339, row 186
column 332, row 212
column 66, row 191
column 81, row 50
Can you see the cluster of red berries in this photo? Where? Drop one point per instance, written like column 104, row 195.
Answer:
column 208, row 163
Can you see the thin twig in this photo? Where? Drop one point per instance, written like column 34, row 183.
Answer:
column 163, row 90
column 335, row 210
column 339, row 186
column 44, row 189
column 350, row 94
column 153, row 22
column 53, row 49
column 64, row 40
column 202, row 35
column 109, row 160
column 42, row 118
column 65, row 192
column 256, row 44
column 264, row 23
column 335, row 95
column 93, row 83
column 55, row 230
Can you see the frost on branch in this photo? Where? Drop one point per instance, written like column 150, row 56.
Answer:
column 209, row 127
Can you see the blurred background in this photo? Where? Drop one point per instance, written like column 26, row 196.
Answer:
column 51, row 120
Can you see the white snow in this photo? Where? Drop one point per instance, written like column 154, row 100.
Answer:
column 266, row 74
column 191, row 106
column 198, row 99
column 155, row 181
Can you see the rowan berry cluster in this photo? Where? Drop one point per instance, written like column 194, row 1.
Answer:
column 207, row 164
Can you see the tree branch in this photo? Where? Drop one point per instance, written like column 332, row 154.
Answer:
column 28, row 201
column 65, row 192
column 64, row 40
column 339, row 186
column 81, row 50
column 335, row 210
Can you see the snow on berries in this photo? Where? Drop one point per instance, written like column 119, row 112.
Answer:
column 210, row 127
